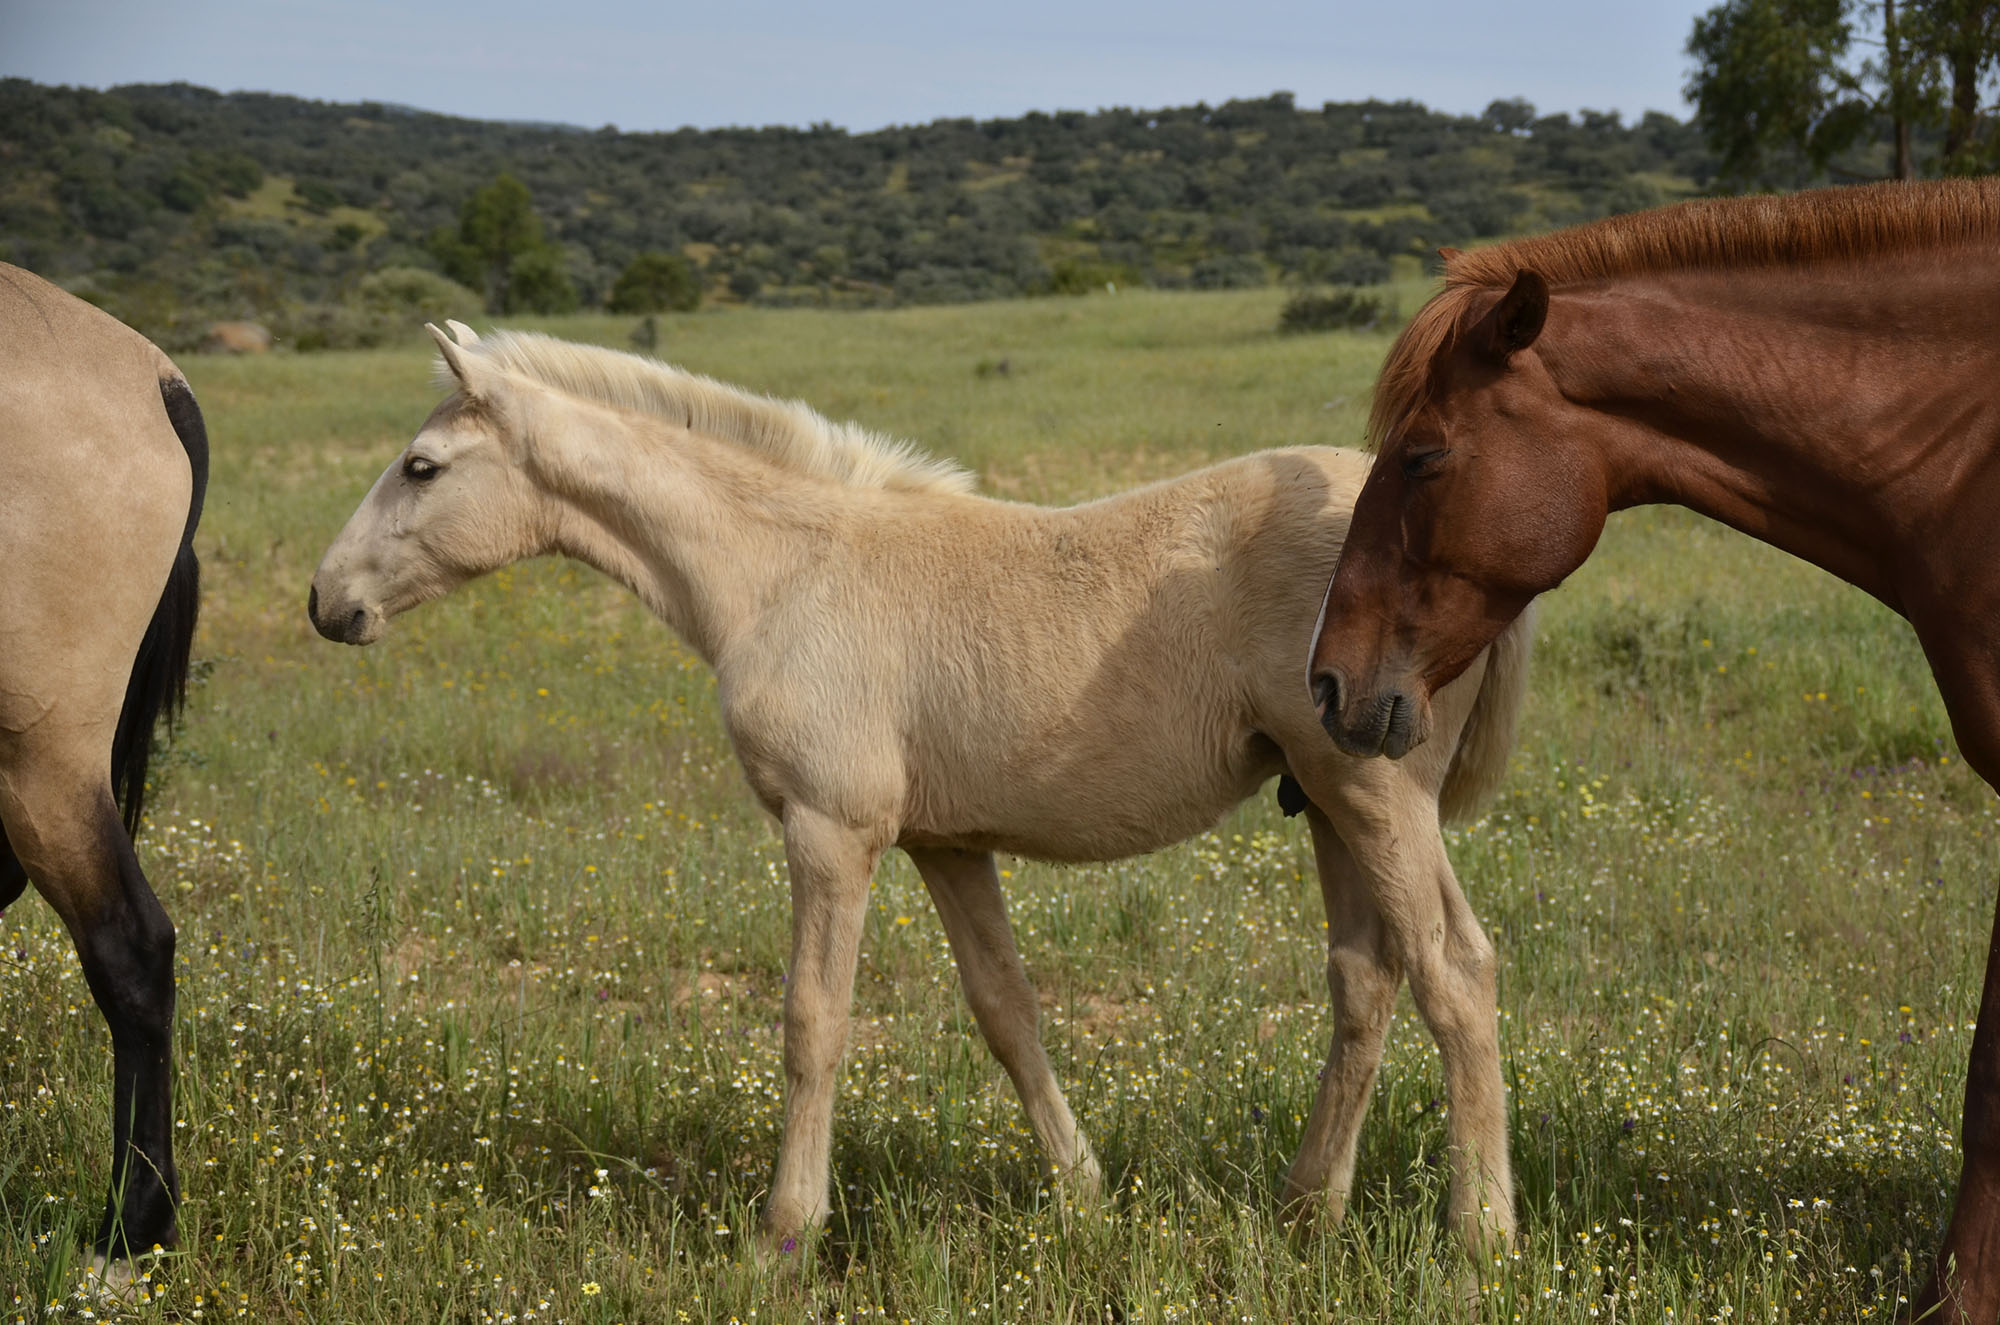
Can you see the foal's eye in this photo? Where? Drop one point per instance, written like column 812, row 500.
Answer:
column 419, row 470
column 1423, row 464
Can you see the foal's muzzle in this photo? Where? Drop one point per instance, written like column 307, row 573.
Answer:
column 362, row 625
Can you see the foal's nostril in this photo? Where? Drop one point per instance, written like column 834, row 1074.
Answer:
column 1326, row 695
column 312, row 604
column 356, row 622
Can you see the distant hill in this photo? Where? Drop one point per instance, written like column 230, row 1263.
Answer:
column 173, row 204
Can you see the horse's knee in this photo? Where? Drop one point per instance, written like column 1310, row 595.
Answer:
column 129, row 964
column 1363, row 986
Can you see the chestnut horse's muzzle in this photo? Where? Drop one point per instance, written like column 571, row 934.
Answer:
column 1389, row 721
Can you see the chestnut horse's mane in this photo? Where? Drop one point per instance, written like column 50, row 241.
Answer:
column 1709, row 233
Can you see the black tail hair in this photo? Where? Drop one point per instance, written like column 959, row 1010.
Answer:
column 158, row 685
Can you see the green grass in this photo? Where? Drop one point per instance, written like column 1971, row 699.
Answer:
column 482, row 938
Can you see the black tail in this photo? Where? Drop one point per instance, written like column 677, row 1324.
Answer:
column 159, row 674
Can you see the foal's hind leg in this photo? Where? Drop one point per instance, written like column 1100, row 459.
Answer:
column 1388, row 820
column 965, row 888
column 1362, row 975
column 61, row 822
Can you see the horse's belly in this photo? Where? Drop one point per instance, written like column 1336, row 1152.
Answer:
column 1103, row 813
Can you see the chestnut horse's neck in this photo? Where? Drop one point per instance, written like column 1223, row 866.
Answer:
column 1848, row 413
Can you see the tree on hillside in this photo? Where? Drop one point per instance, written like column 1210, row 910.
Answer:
column 498, row 248
column 655, row 282
column 1787, row 88
column 1966, row 36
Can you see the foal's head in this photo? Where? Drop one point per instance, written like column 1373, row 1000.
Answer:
column 457, row 503
column 1483, row 494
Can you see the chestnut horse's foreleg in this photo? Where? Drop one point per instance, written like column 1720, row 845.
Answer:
column 61, row 822
column 1389, row 821
column 830, row 865
column 1362, row 976
column 1965, row 1282
column 965, row 887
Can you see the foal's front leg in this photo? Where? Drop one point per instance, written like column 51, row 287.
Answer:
column 830, row 865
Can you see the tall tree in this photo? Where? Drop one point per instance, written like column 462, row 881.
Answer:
column 1966, row 36
column 497, row 228
column 1784, row 87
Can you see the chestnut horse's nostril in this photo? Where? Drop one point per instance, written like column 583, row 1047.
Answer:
column 312, row 604
column 1326, row 696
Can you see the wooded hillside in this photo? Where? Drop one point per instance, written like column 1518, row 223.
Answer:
column 174, row 205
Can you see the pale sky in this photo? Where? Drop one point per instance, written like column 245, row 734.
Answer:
column 863, row 64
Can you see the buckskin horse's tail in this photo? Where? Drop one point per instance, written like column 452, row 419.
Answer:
column 1488, row 736
column 158, row 684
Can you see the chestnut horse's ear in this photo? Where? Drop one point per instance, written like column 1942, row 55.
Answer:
column 1517, row 319
column 1450, row 255
column 452, row 359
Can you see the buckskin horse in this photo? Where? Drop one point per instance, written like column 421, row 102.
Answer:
column 1820, row 371
column 902, row 662
column 103, row 463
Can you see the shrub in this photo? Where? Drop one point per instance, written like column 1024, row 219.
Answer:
column 537, row 283
column 411, row 295
column 1332, row 310
column 1237, row 271
column 656, row 282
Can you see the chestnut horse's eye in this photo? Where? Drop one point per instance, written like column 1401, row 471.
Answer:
column 1423, row 464
column 419, row 470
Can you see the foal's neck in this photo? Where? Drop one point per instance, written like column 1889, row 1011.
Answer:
column 707, row 535
column 1822, row 412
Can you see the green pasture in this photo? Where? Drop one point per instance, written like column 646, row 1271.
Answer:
column 482, row 939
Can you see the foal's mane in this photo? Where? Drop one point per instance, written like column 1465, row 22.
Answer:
column 785, row 432
column 1705, row 234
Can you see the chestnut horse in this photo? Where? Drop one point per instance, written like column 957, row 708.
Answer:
column 1820, row 371
column 103, row 461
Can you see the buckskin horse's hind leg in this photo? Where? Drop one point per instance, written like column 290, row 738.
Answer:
column 65, row 829
column 12, row 877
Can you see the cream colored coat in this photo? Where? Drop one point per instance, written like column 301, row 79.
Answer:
column 905, row 663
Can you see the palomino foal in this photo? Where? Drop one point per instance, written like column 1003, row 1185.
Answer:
column 903, row 663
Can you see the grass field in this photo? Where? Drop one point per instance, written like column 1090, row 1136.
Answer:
column 482, row 938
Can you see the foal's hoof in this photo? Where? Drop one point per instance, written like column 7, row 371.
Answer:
column 1311, row 1209
column 783, row 1247
column 1080, row 1185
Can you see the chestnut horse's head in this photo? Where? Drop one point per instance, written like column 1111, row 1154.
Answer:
column 1484, row 493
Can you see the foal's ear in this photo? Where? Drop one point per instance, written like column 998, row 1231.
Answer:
column 466, row 335
column 453, row 360
column 1517, row 319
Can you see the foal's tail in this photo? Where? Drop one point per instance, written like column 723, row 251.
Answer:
column 1488, row 735
column 158, row 685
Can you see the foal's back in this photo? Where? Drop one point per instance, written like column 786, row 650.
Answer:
column 1095, row 681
